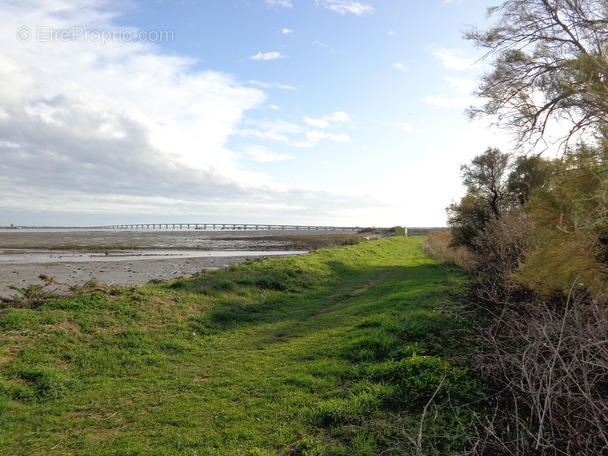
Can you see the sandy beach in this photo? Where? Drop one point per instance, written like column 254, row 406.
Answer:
column 131, row 257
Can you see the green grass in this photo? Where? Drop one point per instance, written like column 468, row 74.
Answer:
column 336, row 352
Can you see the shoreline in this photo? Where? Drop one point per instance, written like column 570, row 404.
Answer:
column 65, row 264
column 62, row 276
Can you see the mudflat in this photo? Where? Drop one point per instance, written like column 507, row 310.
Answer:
column 73, row 257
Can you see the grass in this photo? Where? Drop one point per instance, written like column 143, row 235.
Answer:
column 340, row 351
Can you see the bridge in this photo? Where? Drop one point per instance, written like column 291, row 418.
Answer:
column 224, row 226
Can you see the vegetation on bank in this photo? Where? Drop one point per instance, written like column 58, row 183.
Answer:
column 352, row 350
column 538, row 290
column 533, row 227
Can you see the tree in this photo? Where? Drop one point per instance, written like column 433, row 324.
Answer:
column 528, row 173
column 486, row 177
column 543, row 271
column 549, row 65
column 496, row 185
column 467, row 218
column 570, row 225
column 487, row 195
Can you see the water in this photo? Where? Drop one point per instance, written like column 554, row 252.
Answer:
column 18, row 256
column 125, row 257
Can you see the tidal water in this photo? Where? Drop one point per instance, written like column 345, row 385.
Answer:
column 45, row 246
column 22, row 256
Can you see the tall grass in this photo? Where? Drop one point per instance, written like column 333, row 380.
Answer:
column 440, row 247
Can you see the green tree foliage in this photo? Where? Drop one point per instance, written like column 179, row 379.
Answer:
column 549, row 64
column 542, row 263
column 570, row 220
column 528, row 173
column 486, row 177
column 539, row 286
column 495, row 186
column 486, row 182
column 467, row 218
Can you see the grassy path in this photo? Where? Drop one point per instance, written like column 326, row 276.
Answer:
column 265, row 358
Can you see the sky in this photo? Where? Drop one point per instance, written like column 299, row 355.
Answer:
column 319, row 112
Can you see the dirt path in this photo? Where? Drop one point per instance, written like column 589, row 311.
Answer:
column 381, row 278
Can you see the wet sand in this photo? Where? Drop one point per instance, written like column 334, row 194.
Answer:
column 235, row 247
column 108, row 273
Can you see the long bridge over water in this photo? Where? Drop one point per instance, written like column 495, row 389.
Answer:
column 224, row 226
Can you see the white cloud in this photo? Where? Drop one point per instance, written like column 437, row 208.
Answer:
column 130, row 124
column 400, row 66
column 318, row 135
column 260, row 134
column 321, row 44
column 268, row 56
column 279, row 3
column 272, row 85
column 345, row 6
column 329, row 120
column 339, row 116
column 126, row 131
column 317, row 123
column 261, row 154
column 464, row 87
column 275, row 125
column 287, row 31
column 454, row 59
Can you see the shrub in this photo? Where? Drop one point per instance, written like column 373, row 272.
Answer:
column 30, row 297
column 439, row 246
column 550, row 358
column 502, row 248
column 353, row 240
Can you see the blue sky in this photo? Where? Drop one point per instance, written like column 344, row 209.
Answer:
column 331, row 112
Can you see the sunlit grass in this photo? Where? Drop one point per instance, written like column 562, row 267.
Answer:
column 275, row 357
